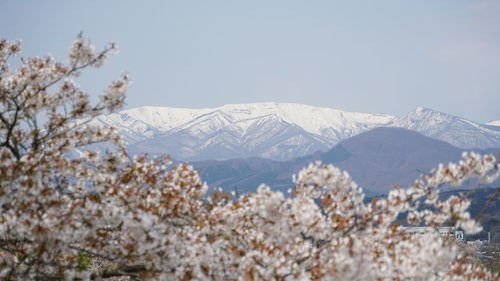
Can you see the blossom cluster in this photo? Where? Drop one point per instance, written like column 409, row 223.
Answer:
column 60, row 213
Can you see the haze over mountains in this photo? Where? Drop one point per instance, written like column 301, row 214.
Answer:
column 278, row 131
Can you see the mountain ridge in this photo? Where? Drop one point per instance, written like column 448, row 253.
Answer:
column 280, row 131
column 455, row 130
column 494, row 123
column 376, row 160
column 285, row 130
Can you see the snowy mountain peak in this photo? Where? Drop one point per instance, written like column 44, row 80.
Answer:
column 420, row 109
column 494, row 123
column 452, row 129
column 422, row 117
column 284, row 130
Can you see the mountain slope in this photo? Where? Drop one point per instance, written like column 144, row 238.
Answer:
column 494, row 123
column 452, row 129
column 218, row 136
column 376, row 160
column 383, row 157
column 278, row 131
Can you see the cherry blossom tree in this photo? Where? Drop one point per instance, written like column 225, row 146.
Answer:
column 71, row 212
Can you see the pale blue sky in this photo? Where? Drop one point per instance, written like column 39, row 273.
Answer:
column 368, row 56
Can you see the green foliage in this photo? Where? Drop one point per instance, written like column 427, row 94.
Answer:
column 83, row 261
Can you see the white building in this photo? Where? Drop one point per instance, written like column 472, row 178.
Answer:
column 443, row 231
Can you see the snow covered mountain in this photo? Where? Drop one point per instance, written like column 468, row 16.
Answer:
column 278, row 131
column 376, row 160
column 494, row 123
column 455, row 130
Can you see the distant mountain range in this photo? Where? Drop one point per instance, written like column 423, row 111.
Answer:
column 376, row 160
column 269, row 130
column 452, row 129
column 278, row 131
